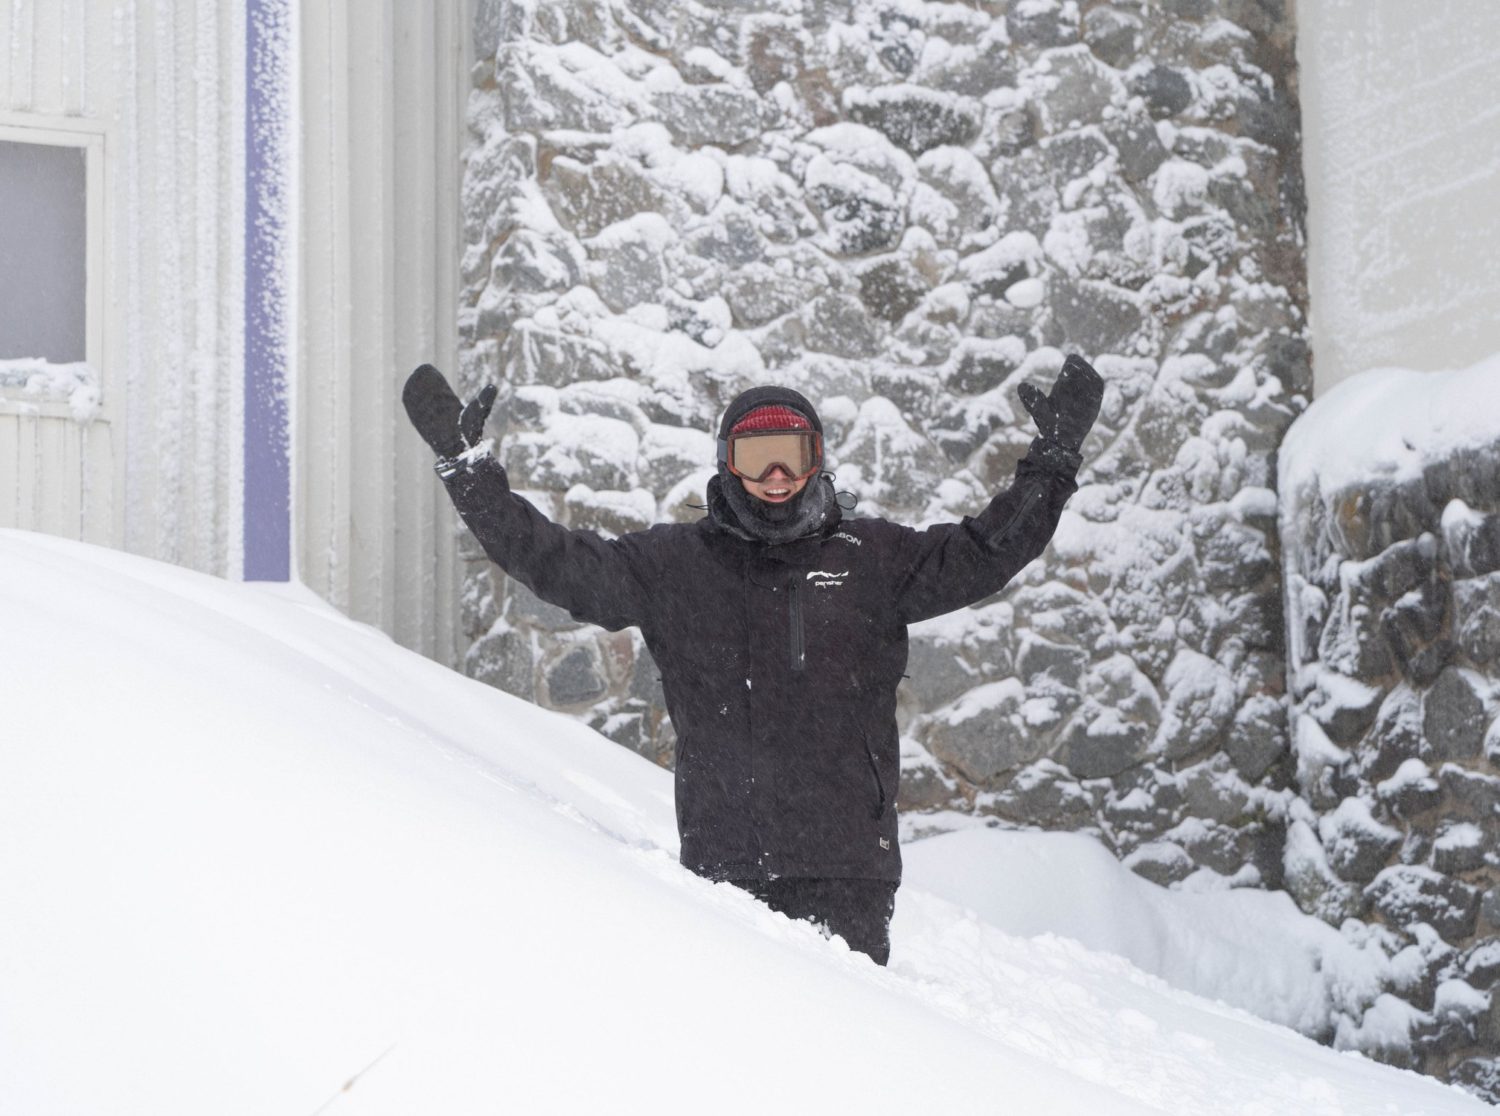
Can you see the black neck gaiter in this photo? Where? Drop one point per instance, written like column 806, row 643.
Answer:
column 740, row 513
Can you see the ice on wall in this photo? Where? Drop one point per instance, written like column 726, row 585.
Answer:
column 906, row 210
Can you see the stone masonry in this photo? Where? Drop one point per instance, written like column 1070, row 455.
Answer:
column 905, row 210
column 1393, row 605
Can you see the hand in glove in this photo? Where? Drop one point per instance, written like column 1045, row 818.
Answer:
column 1066, row 415
column 445, row 424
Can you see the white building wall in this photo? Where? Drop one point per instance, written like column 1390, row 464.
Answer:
column 1401, row 117
column 382, row 95
column 159, row 470
column 157, row 85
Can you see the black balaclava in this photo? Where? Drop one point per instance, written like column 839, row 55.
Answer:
column 742, row 514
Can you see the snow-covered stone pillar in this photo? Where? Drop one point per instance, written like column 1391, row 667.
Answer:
column 906, row 210
column 1391, row 517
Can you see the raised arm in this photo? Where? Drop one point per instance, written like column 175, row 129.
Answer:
column 952, row 565
column 597, row 580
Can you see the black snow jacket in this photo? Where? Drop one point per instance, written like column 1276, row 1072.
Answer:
column 779, row 662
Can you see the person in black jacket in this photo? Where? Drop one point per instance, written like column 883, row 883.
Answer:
column 778, row 626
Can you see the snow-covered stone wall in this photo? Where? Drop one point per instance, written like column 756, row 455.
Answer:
column 1391, row 515
column 906, row 210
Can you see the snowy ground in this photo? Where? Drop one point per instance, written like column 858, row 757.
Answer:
column 256, row 858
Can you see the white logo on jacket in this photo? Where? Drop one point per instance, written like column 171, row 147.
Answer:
column 822, row 579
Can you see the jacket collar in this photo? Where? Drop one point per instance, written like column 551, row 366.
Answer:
column 721, row 520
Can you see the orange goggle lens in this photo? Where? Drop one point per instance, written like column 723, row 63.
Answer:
column 754, row 454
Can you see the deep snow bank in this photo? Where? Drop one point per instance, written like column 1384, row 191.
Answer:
column 251, row 851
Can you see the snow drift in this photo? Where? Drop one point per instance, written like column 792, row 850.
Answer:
column 255, row 857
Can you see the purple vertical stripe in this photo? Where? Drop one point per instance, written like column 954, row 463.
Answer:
column 268, row 475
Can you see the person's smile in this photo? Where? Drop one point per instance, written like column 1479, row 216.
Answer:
column 776, row 488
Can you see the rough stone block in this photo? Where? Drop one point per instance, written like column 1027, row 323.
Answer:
column 1312, row 883
column 1396, row 736
column 983, row 735
column 1161, row 862
column 1063, row 663
column 1073, row 155
column 915, row 119
column 626, row 723
column 1357, row 845
column 1137, row 145
column 857, row 223
column 1046, row 795
column 503, row 659
column 1476, row 610
column 1354, row 639
column 733, row 242
column 1213, row 792
column 972, row 72
column 550, row 358
column 590, row 197
column 775, row 51
column 721, row 115
column 1408, row 894
column 628, row 271
column 757, row 293
column 1199, row 708
column 614, row 513
column 1470, row 795
column 936, row 673
column 1345, row 707
column 1164, row 89
column 1104, row 745
column 1096, row 317
column 839, row 324
column 1400, row 569
column 1453, row 717
column 891, row 289
column 1458, row 847
column 1079, row 91
column 1480, row 1076
column 1413, row 625
column 1041, row 24
column 1220, row 848
column 1258, row 736
column 575, row 678
column 1114, row 36
column 1137, row 803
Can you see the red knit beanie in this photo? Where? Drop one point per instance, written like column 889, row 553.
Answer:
column 773, row 416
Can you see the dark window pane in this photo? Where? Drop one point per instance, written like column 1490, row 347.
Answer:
column 42, row 262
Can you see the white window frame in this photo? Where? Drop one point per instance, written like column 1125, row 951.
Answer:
column 90, row 136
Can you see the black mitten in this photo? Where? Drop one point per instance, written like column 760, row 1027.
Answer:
column 445, row 424
column 1066, row 415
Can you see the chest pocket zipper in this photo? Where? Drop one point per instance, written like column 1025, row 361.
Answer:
column 794, row 616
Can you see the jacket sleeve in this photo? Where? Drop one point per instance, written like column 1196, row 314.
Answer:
column 597, row 580
column 956, row 564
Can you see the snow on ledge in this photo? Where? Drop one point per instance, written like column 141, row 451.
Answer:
column 1388, row 422
column 32, row 380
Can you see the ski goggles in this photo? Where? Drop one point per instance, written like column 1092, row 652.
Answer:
column 752, row 454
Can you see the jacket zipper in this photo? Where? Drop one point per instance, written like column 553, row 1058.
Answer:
column 879, row 810
column 794, row 609
column 1001, row 532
